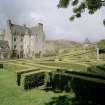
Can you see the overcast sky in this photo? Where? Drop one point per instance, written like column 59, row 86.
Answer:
column 56, row 21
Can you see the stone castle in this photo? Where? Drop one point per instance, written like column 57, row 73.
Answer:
column 24, row 41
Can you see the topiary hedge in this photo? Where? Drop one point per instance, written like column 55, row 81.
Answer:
column 1, row 66
column 88, row 90
column 23, row 72
column 33, row 79
column 58, row 82
column 54, row 80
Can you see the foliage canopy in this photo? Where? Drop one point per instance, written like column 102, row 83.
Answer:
column 80, row 6
column 101, row 44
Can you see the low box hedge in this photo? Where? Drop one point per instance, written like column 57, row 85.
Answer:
column 32, row 79
column 19, row 73
column 60, row 82
column 1, row 66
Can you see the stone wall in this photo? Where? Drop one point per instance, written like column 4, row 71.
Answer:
column 30, row 42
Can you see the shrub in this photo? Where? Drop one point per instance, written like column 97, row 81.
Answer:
column 1, row 66
column 47, row 79
column 33, row 79
column 23, row 72
column 58, row 82
column 97, row 70
column 55, row 80
column 88, row 90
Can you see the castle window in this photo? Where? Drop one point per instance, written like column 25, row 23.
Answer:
column 21, row 39
column 14, row 39
column 14, row 32
column 14, row 46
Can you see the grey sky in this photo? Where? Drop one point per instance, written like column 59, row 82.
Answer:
column 56, row 21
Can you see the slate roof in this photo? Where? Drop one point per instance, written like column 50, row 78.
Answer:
column 18, row 29
column 24, row 30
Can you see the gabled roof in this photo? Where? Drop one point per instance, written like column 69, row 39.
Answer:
column 22, row 30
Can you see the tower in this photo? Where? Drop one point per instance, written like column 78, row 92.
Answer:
column 8, row 34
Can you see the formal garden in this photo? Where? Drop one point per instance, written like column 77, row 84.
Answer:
column 46, row 81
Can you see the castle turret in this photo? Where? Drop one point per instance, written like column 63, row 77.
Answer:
column 9, row 22
column 40, row 25
column 8, row 35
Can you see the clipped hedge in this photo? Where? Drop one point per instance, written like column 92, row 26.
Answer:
column 23, row 72
column 33, row 79
column 1, row 66
column 58, row 82
column 97, row 70
column 54, row 80
column 47, row 79
column 88, row 90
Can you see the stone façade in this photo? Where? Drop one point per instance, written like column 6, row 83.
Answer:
column 25, row 41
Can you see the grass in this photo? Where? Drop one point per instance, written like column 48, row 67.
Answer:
column 72, row 66
column 11, row 94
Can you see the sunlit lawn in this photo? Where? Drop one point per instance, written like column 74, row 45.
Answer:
column 11, row 94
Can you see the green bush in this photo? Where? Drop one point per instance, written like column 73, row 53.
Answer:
column 58, row 82
column 88, row 90
column 54, row 80
column 64, row 65
column 47, row 79
column 101, row 44
column 23, row 72
column 32, row 80
column 97, row 69
column 1, row 66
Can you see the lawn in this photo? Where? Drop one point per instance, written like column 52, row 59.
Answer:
column 11, row 94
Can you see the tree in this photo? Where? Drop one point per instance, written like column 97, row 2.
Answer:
column 80, row 6
column 101, row 44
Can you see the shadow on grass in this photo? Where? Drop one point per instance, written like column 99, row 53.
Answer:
column 66, row 100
